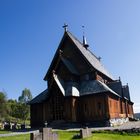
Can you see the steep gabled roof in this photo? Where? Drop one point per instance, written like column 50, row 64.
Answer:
column 87, row 54
column 92, row 59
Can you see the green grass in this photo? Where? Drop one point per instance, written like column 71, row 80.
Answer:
column 105, row 136
column 68, row 135
column 99, row 136
column 17, row 137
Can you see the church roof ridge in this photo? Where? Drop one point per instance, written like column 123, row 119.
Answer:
column 92, row 58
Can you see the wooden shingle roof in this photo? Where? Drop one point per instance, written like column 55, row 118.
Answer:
column 94, row 87
column 86, row 53
column 39, row 98
column 92, row 59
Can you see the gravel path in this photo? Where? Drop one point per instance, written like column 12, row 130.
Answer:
column 17, row 133
column 128, row 125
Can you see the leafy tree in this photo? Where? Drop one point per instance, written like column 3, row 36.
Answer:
column 26, row 96
column 3, row 107
column 12, row 107
column 23, row 110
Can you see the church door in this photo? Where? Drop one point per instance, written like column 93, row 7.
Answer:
column 57, row 106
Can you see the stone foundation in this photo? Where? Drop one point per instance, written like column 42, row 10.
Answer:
column 117, row 121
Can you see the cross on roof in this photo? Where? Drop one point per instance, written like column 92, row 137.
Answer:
column 65, row 27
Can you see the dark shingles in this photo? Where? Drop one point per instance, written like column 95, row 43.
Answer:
column 39, row 98
column 126, row 93
column 69, row 65
column 94, row 87
column 92, row 59
column 116, row 86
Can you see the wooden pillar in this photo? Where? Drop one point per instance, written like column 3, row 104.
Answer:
column 126, row 108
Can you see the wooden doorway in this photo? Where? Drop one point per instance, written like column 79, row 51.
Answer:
column 58, row 106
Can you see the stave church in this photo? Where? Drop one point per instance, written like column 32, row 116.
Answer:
column 80, row 89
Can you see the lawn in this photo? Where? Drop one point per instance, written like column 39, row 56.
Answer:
column 65, row 135
column 104, row 136
column 99, row 136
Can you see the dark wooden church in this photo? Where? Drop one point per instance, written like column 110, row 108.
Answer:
column 80, row 89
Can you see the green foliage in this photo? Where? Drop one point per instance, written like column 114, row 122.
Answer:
column 12, row 105
column 3, row 106
column 13, row 110
column 22, row 109
column 26, row 96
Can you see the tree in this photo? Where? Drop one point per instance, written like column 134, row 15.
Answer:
column 3, row 107
column 23, row 110
column 26, row 96
column 12, row 107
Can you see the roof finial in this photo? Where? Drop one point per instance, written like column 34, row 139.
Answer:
column 84, row 39
column 119, row 78
column 83, row 27
column 65, row 27
column 99, row 58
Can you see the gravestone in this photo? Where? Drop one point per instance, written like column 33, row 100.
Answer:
column 85, row 132
column 36, row 136
column 44, row 134
column 22, row 126
column 7, row 126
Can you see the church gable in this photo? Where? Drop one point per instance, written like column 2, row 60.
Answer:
column 71, row 57
column 65, row 70
column 72, row 53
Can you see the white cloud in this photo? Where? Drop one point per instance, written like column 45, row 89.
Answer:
column 137, row 108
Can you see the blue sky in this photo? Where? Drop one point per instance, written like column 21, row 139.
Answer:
column 30, row 32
